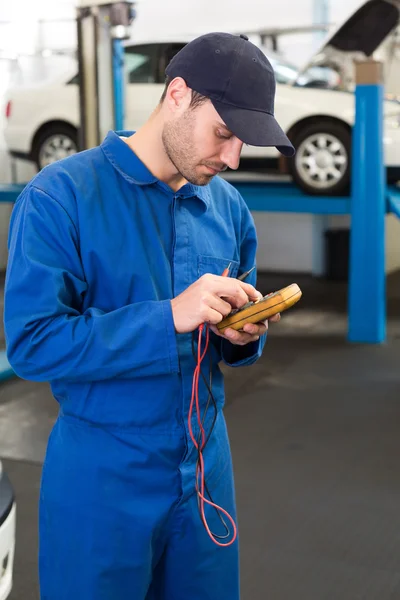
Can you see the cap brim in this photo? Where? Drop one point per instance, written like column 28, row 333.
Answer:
column 254, row 127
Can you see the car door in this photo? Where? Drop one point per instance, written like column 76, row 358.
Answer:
column 145, row 67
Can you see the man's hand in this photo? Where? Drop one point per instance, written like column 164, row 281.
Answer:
column 251, row 331
column 209, row 300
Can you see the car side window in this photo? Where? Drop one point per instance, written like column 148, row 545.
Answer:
column 167, row 52
column 74, row 80
column 140, row 63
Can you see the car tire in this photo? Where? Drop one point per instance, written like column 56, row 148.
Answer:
column 322, row 163
column 54, row 142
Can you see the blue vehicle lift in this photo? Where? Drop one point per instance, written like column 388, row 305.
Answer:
column 367, row 205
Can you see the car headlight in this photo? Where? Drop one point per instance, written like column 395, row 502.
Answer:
column 393, row 121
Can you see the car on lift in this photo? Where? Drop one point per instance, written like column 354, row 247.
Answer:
column 317, row 115
column 7, row 534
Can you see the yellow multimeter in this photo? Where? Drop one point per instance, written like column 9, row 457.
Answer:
column 266, row 307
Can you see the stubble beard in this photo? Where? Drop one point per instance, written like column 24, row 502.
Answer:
column 177, row 138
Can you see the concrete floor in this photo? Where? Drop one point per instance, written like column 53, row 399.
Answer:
column 315, row 433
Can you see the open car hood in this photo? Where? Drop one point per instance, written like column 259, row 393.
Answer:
column 367, row 28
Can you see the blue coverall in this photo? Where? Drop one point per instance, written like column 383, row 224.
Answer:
column 97, row 248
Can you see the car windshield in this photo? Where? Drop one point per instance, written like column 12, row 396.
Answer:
column 323, row 76
column 285, row 72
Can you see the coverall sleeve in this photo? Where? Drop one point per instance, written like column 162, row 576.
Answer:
column 48, row 337
column 233, row 355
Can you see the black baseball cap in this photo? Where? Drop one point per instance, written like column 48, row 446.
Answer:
column 240, row 82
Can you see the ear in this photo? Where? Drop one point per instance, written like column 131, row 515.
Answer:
column 178, row 95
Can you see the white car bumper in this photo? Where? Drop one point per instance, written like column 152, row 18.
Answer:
column 7, row 547
column 18, row 139
column 391, row 142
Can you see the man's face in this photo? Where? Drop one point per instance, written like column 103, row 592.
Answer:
column 199, row 145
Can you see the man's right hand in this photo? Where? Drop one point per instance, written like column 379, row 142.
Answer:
column 209, row 300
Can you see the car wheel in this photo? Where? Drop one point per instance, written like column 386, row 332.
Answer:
column 54, row 143
column 321, row 165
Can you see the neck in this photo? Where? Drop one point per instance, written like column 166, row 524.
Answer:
column 148, row 146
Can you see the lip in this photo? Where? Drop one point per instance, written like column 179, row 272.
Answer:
column 213, row 171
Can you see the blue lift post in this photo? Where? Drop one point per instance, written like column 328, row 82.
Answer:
column 367, row 285
column 369, row 201
column 119, row 83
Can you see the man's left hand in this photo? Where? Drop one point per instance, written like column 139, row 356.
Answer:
column 251, row 331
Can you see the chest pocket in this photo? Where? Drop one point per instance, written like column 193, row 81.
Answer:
column 216, row 265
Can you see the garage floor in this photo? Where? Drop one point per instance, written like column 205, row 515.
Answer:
column 315, row 432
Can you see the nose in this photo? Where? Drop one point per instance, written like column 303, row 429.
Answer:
column 230, row 154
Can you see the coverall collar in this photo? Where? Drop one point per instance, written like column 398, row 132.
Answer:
column 134, row 170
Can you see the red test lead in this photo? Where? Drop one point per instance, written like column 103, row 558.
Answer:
column 199, row 445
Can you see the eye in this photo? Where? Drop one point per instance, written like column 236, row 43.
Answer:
column 223, row 136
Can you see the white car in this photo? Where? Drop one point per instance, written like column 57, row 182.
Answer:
column 7, row 534
column 43, row 120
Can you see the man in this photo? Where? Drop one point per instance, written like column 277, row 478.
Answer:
column 116, row 256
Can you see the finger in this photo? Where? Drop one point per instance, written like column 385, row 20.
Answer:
column 259, row 295
column 276, row 318
column 218, row 304
column 236, row 337
column 255, row 328
column 231, row 333
column 237, row 291
column 239, row 338
column 250, row 290
column 211, row 316
column 236, row 299
column 215, row 329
